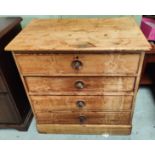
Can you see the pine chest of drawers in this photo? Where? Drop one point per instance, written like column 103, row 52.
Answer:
column 81, row 75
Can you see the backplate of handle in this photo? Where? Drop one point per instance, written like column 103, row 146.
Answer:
column 80, row 104
column 77, row 64
column 79, row 84
column 82, row 119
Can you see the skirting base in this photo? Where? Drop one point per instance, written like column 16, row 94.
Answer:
column 84, row 129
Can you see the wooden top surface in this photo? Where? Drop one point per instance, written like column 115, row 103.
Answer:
column 113, row 34
column 7, row 23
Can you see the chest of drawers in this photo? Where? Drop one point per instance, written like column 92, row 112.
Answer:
column 81, row 75
column 15, row 110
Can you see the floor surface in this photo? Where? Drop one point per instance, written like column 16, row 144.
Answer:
column 143, row 124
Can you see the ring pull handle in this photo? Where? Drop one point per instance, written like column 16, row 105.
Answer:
column 80, row 104
column 79, row 84
column 82, row 119
column 77, row 64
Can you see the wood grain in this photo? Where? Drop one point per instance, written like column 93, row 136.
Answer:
column 80, row 34
column 66, row 85
column 92, row 64
column 115, row 118
column 137, row 82
column 92, row 103
column 111, row 52
column 84, row 129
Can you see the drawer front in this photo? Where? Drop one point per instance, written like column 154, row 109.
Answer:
column 74, row 103
column 78, row 64
column 79, row 85
column 114, row 118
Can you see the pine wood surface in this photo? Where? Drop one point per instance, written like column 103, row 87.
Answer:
column 111, row 53
column 92, row 64
column 92, row 103
column 67, row 85
column 84, row 129
column 80, row 34
column 114, row 118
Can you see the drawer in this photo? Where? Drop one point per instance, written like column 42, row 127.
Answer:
column 74, row 103
column 78, row 85
column 84, row 118
column 78, row 64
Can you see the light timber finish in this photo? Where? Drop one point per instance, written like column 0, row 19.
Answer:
column 67, row 85
column 80, row 34
column 92, row 64
column 115, row 118
column 91, row 103
column 84, row 129
column 81, row 75
column 138, row 81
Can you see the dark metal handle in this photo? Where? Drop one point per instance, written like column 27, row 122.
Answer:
column 82, row 119
column 79, row 85
column 80, row 104
column 77, row 64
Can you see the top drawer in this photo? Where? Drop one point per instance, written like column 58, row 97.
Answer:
column 78, row 64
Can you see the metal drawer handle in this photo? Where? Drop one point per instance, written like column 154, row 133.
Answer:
column 77, row 64
column 79, row 85
column 82, row 119
column 80, row 104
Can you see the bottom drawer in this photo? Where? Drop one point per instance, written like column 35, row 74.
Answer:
column 84, row 118
column 84, row 129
